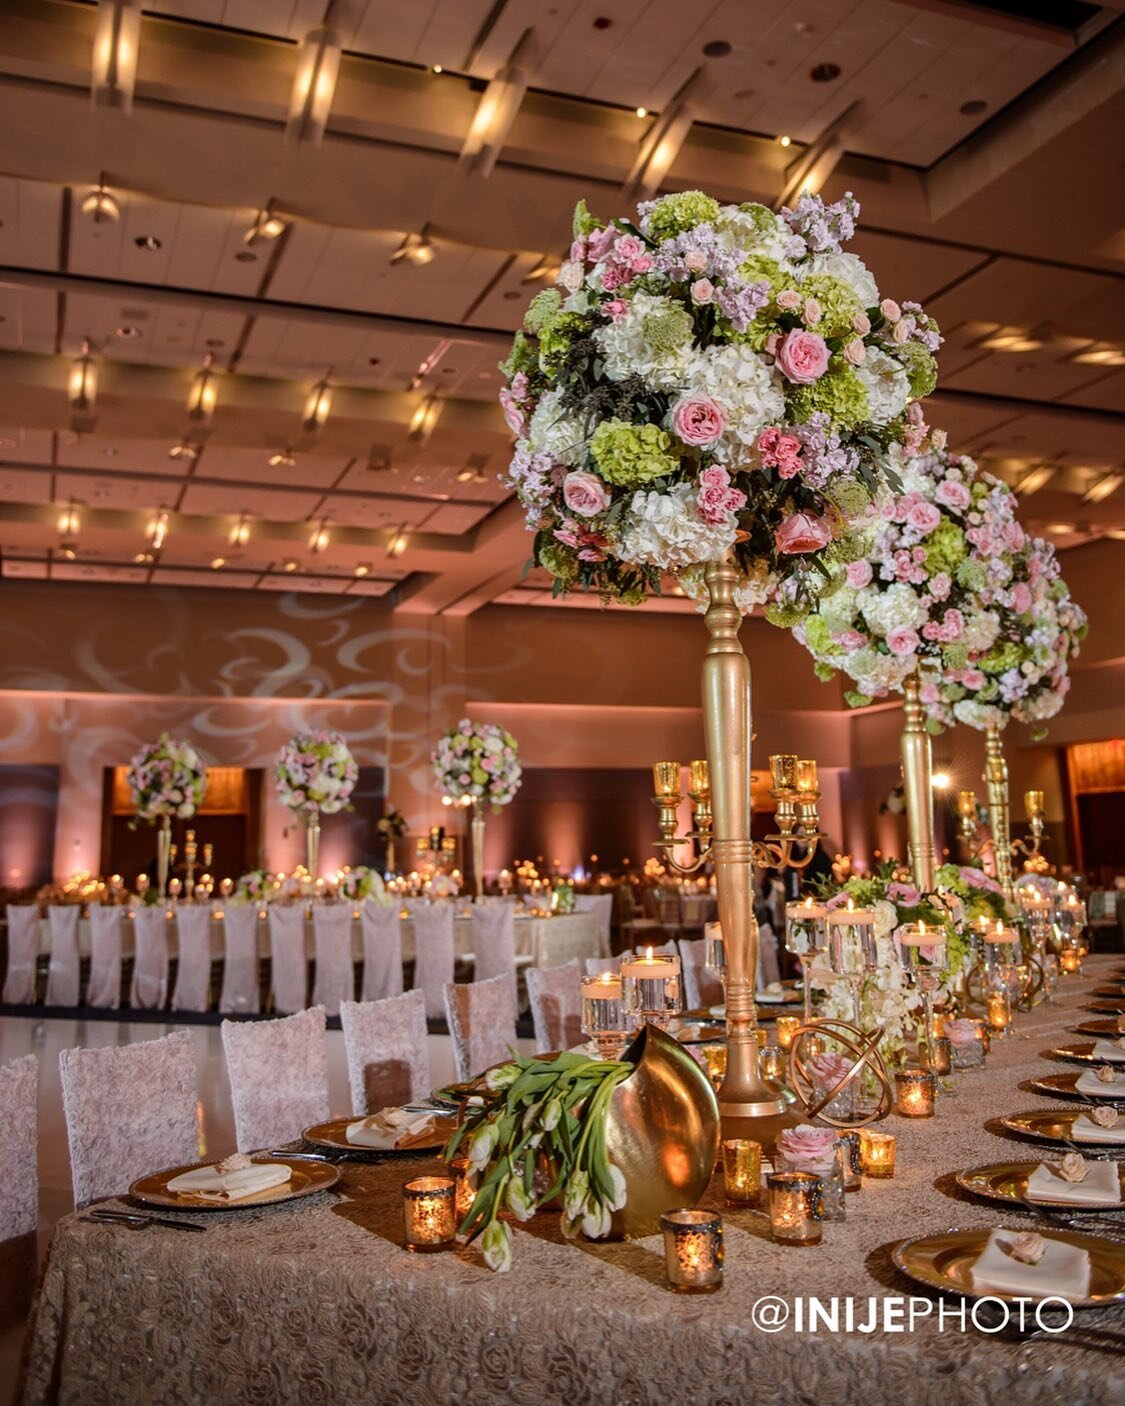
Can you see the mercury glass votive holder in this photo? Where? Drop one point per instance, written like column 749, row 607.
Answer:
column 878, row 1153
column 774, row 1062
column 999, row 1012
column 429, row 1213
column 1070, row 962
column 941, row 1055
column 851, row 1159
column 814, row 1045
column 693, row 1251
column 715, row 1058
column 742, row 1171
column 787, row 1027
column 914, row 1091
column 984, row 1034
column 967, row 1054
column 795, row 1208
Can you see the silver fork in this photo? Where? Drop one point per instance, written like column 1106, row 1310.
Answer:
column 137, row 1222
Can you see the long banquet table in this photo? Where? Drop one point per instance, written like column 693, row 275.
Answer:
column 317, row 1301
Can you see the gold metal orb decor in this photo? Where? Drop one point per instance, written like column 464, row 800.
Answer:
column 863, row 1048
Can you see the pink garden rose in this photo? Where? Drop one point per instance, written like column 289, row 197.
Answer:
column 802, row 532
column 599, row 243
column 695, row 260
column 901, row 639
column 616, row 309
column 830, row 1069
column 1021, row 597
column 585, row 494
column 807, row 1147
column 702, row 291
column 952, row 494
column 789, row 299
column 802, row 357
column 698, row 421
column 890, row 309
column 859, row 574
column 924, row 516
column 855, row 353
column 717, row 500
column 513, row 415
column 812, row 312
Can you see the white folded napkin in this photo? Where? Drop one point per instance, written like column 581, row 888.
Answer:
column 1084, row 1129
column 1089, row 1083
column 394, row 1127
column 1108, row 1052
column 1064, row 1270
column 1101, row 1187
column 213, row 1185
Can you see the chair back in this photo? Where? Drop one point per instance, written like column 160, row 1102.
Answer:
column 382, row 950
column 149, row 990
column 335, row 969
column 433, row 954
column 278, row 1072
column 482, row 1022
column 193, row 970
column 23, row 954
column 555, row 994
column 62, row 972
column 241, row 993
column 387, row 1050
column 289, row 963
column 103, row 988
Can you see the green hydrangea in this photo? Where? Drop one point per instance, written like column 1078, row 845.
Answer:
column 786, row 614
column 762, row 217
column 849, row 546
column 523, row 357
column 556, row 337
column 676, row 214
column 1001, row 657
column 629, row 455
column 583, row 222
column 849, row 495
column 760, row 269
column 973, row 575
column 988, row 691
column 560, row 561
column 668, row 328
column 920, row 368
column 838, row 304
column 542, row 308
column 945, row 548
column 855, row 699
column 819, row 636
column 839, row 394
column 952, row 692
column 824, row 672
column 955, row 656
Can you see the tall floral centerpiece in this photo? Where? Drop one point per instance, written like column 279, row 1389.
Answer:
column 316, row 775
column 478, row 764
column 167, row 779
column 392, row 827
column 710, row 393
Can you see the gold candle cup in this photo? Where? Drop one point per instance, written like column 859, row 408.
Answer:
column 787, row 1027
column 666, row 778
column 983, row 1033
column 941, row 1061
column 914, row 1090
column 693, row 1251
column 783, row 771
column 794, row 1199
column 806, row 776
column 851, row 1159
column 967, row 804
column 742, row 1171
column 1070, row 961
column 878, row 1151
column 715, row 1058
column 429, row 1213
column 773, row 1062
column 1033, row 804
column 700, row 776
column 999, row 1011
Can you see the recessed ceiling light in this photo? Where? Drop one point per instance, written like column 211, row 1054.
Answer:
column 785, row 141
column 824, row 72
column 512, row 294
column 281, row 460
column 1034, row 480
column 127, row 331
column 183, row 450
column 363, row 569
column 246, row 256
column 642, row 112
column 218, row 563
column 214, row 343
column 100, row 206
column 148, row 242
column 1060, row 529
column 436, row 68
column 374, row 360
column 972, row 107
column 415, row 248
column 290, row 565
column 1101, row 356
column 110, row 451
column 716, row 49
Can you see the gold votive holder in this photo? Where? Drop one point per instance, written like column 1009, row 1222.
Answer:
column 787, row 1027
column 783, row 771
column 878, row 1151
column 999, row 1012
column 742, row 1171
column 851, row 1159
column 774, row 1062
column 1070, row 961
column 914, row 1091
column 806, row 775
column 813, row 1045
column 429, row 1213
column 666, row 778
column 700, row 776
column 941, row 1055
column 984, row 1034
column 464, row 1187
column 795, row 1208
column 715, row 1058
column 693, row 1251
column 762, row 1037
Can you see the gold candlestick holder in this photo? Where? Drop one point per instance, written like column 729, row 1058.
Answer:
column 191, row 851
column 999, row 849
column 918, row 785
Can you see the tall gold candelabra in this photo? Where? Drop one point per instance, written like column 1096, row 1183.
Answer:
column 1000, row 848
column 918, row 785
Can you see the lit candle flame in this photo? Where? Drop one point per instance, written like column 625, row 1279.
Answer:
column 648, row 954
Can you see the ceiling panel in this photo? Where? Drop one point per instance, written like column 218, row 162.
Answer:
column 253, row 466
column 30, row 219
column 28, row 317
column 126, row 494
column 86, row 571
column 25, row 485
column 25, row 446
column 27, row 570
column 274, row 504
column 95, row 454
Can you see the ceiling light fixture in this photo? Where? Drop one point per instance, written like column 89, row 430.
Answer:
column 240, row 532
column 82, row 390
column 1101, row 355
column 661, row 143
column 217, row 563
column 549, row 266
column 497, row 109
column 1034, row 480
column 127, row 332
column 1060, row 529
column 785, row 141
column 940, row 781
column 314, row 86
column 319, row 537
column 473, row 472
column 290, row 566
column 117, row 35
column 398, row 542
column 318, row 405
column 281, row 459
column 436, row 68
column 642, row 112
column 363, row 569
column 70, row 524
column 100, row 206
column 425, row 418
column 1103, row 488
column 415, row 248
column 267, row 224
column 1011, row 339
column 149, row 243
column 204, row 393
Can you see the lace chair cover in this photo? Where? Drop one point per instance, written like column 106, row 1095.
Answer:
column 601, row 905
column 335, row 971
column 62, row 973
column 150, row 961
column 382, row 950
column 23, row 954
column 130, row 1110
column 193, row 972
column 769, row 967
column 103, row 989
column 596, row 965
column 494, row 941
column 19, row 1177
column 278, row 1072
column 702, row 986
column 387, row 1049
column 241, row 983
column 482, row 1020
column 433, row 954
column 555, row 994
column 290, row 968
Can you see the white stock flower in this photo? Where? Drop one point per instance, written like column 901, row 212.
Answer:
column 887, row 386
column 980, row 631
column 740, row 233
column 665, row 530
column 979, row 715
column 875, row 672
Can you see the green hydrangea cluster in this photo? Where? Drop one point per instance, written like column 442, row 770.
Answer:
column 849, row 495
column 955, row 656
column 819, row 636
column 583, row 222
column 855, row 699
column 560, row 561
column 1001, row 657
column 786, row 614
column 973, row 575
column 760, row 269
column 541, row 310
column 628, row 455
column 839, row 394
column 945, row 547
column 667, row 329
column 838, row 304
column 676, row 214
column 523, row 357
column 761, row 216
column 920, row 368
column 556, row 337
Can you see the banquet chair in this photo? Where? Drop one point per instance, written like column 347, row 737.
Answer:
column 387, row 1050
column 278, row 1073
column 289, row 967
column 482, row 1021
column 433, row 954
column 19, row 1177
column 335, row 970
column 149, row 990
column 23, row 954
column 241, row 991
column 769, row 966
column 382, row 950
column 702, row 986
column 103, row 986
column 494, row 941
column 601, row 905
column 596, row 965
column 634, row 926
column 62, row 971
column 130, row 1110
column 556, row 1006
column 193, row 972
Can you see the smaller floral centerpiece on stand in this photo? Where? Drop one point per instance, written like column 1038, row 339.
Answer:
column 255, row 886
column 166, row 779
column 477, row 764
column 316, row 775
column 356, row 885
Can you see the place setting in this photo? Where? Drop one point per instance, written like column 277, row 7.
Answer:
column 1104, row 1083
column 1101, row 1126
column 237, row 1182
column 407, row 1131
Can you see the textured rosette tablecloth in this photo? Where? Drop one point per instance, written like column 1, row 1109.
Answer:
column 317, row 1302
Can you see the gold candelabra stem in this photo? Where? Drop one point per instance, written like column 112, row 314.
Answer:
column 917, row 780
column 190, row 852
column 999, row 816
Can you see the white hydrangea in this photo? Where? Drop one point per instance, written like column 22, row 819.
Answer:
column 749, row 591
column 665, row 530
column 628, row 352
column 887, row 386
column 898, row 604
column 740, row 233
column 877, row 673
column 849, row 269
column 739, row 381
column 553, row 432
column 838, row 611
column 979, row 715
column 981, row 630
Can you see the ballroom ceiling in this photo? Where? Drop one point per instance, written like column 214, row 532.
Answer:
column 982, row 140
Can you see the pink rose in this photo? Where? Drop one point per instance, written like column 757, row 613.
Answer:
column 902, row 331
column 627, row 249
column 790, row 466
column 570, row 276
column 851, row 640
column 519, row 385
column 513, row 415
column 855, row 353
column 789, row 299
column 698, row 421
column 806, row 1146
column 812, row 313
column 585, row 494
column 861, row 323
column 695, row 260
column 972, row 678
column 952, row 494
column 1021, row 597
column 616, row 309
column 578, row 249
column 773, row 341
column 901, row 639
column 830, row 1069
column 802, row 357
column 768, row 441
column 787, row 446
column 890, row 310
column 600, row 243
column 717, row 500
column 924, row 516
column 702, row 291
column 960, row 1032
column 859, row 574
column 802, row 532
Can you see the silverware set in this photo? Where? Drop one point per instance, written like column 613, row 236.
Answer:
column 136, row 1221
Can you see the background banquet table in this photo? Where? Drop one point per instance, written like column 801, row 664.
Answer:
column 318, row 1301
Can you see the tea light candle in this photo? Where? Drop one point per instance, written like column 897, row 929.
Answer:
column 804, row 926
column 941, row 1058
column 851, row 940
column 742, row 1170
column 650, row 987
column 878, row 1151
column 967, row 804
column 464, row 1187
column 814, row 1045
column 174, row 887
column 428, row 1211
column 773, row 1062
column 851, row 1159
column 915, row 1092
column 603, row 1013
column 693, row 1251
column 715, row 1057
column 795, row 1208
column 787, row 1027
column 806, row 776
column 1070, row 961
column 999, row 1011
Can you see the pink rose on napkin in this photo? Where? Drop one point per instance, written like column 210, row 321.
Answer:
column 806, row 1147
column 585, row 494
column 802, row 357
column 698, row 420
column 802, row 532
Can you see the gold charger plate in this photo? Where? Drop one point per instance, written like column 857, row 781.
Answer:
column 1007, row 1181
column 1046, row 1125
column 333, row 1134
column 308, row 1178
column 1082, row 1053
column 699, row 1032
column 944, row 1261
column 1098, row 1027
column 1107, row 1007
column 1062, row 1086
column 1109, row 993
